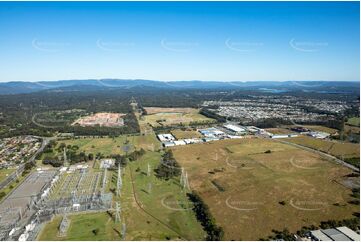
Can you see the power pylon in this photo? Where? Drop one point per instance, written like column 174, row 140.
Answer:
column 149, row 170
column 119, row 180
column 117, row 212
column 104, row 180
column 184, row 180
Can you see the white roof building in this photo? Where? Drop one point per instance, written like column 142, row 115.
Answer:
column 349, row 233
column 107, row 163
column 168, row 144
column 336, row 234
column 165, row 137
column 179, row 142
column 234, row 128
column 211, row 132
column 319, row 135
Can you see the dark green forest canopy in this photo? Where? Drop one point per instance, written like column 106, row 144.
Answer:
column 17, row 111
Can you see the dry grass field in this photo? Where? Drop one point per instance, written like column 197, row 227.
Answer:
column 318, row 128
column 279, row 131
column 153, row 110
column 335, row 148
column 168, row 116
column 321, row 128
column 352, row 129
column 246, row 188
column 186, row 134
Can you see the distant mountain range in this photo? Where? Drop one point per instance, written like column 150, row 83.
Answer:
column 104, row 84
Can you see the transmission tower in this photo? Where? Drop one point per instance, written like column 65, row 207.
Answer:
column 184, row 180
column 149, row 187
column 186, row 183
column 182, row 177
column 73, row 193
column 65, row 158
column 117, row 212
column 149, row 170
column 104, row 180
column 124, row 228
column 119, row 180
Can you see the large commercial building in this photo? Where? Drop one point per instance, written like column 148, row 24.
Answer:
column 235, row 128
column 336, row 234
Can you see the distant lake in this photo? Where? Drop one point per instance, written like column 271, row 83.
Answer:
column 328, row 92
column 271, row 90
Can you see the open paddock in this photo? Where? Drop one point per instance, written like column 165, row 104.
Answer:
column 81, row 228
column 4, row 173
column 114, row 146
column 163, row 199
column 335, row 148
column 253, row 186
column 185, row 134
column 279, row 131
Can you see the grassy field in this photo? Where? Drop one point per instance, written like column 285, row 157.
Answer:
column 251, row 192
column 106, row 146
column 5, row 172
column 279, row 131
column 109, row 146
column 169, row 116
column 82, row 226
column 352, row 129
column 342, row 150
column 186, row 134
column 321, row 128
column 164, row 199
column 165, row 212
column 354, row 121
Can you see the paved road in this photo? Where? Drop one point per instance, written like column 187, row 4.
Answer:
column 45, row 142
column 13, row 176
column 328, row 156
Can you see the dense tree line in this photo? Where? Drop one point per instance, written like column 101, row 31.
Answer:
column 168, row 166
column 124, row 159
column 204, row 216
column 208, row 113
column 270, row 122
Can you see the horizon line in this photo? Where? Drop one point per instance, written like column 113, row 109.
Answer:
column 140, row 79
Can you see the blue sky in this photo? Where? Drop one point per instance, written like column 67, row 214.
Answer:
column 232, row 41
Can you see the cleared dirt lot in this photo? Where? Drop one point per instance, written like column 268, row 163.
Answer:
column 246, row 187
column 101, row 119
column 157, row 116
column 153, row 110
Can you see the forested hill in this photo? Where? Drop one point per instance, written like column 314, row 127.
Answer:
column 107, row 84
